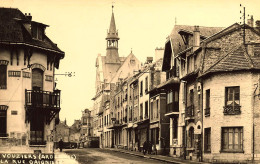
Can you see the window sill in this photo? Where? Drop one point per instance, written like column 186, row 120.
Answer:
column 231, row 151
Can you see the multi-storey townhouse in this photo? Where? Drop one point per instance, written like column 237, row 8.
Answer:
column 181, row 105
column 229, row 79
column 29, row 101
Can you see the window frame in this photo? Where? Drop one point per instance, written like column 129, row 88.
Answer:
column 3, row 82
column 207, row 140
column 240, row 140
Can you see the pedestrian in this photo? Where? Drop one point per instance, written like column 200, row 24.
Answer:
column 145, row 147
column 149, row 148
column 61, row 145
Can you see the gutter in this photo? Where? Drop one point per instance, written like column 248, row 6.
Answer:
column 34, row 46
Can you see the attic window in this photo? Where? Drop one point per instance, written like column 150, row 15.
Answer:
column 37, row 32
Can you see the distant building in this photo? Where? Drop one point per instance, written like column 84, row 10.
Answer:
column 29, row 101
column 62, row 132
column 109, row 69
column 75, row 129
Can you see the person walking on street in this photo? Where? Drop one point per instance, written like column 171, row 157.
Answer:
column 145, row 145
column 61, row 145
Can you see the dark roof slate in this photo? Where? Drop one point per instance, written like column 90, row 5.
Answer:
column 12, row 30
column 238, row 59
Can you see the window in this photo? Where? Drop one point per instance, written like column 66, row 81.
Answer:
column 232, row 139
column 232, row 100
column 3, row 123
column 191, row 97
column 151, row 110
column 207, row 142
column 191, row 138
column 157, row 108
column 141, row 88
column 141, row 111
column 3, row 76
column 146, row 85
column 146, row 109
column 232, row 96
column 207, row 110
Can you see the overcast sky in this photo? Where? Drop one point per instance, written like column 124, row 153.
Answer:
column 79, row 28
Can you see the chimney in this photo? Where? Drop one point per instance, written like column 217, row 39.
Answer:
column 28, row 16
column 250, row 22
column 149, row 60
column 196, row 38
column 159, row 51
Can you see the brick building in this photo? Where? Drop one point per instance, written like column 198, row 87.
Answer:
column 29, row 101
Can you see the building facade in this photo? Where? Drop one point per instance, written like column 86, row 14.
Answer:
column 28, row 59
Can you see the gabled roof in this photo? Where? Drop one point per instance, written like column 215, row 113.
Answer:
column 175, row 44
column 13, row 31
column 238, row 59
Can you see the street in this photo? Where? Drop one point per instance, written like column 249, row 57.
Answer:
column 96, row 155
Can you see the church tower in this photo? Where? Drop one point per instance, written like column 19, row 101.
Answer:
column 112, row 42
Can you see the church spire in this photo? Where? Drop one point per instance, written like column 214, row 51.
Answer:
column 112, row 41
column 112, row 32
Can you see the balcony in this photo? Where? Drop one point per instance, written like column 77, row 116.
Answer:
column 232, row 110
column 207, row 112
column 115, row 124
column 189, row 112
column 42, row 99
column 36, row 100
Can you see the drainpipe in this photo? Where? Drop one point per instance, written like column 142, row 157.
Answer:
column 202, row 138
column 184, row 129
column 254, row 95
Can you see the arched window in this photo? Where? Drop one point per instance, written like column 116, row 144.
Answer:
column 37, row 79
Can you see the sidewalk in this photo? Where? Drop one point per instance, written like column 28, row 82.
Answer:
column 63, row 158
column 162, row 158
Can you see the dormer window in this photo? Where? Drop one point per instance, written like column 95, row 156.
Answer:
column 37, row 31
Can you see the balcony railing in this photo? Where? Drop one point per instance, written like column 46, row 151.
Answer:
column 190, row 111
column 207, row 112
column 231, row 110
column 38, row 98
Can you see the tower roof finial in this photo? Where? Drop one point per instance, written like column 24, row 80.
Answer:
column 113, row 7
